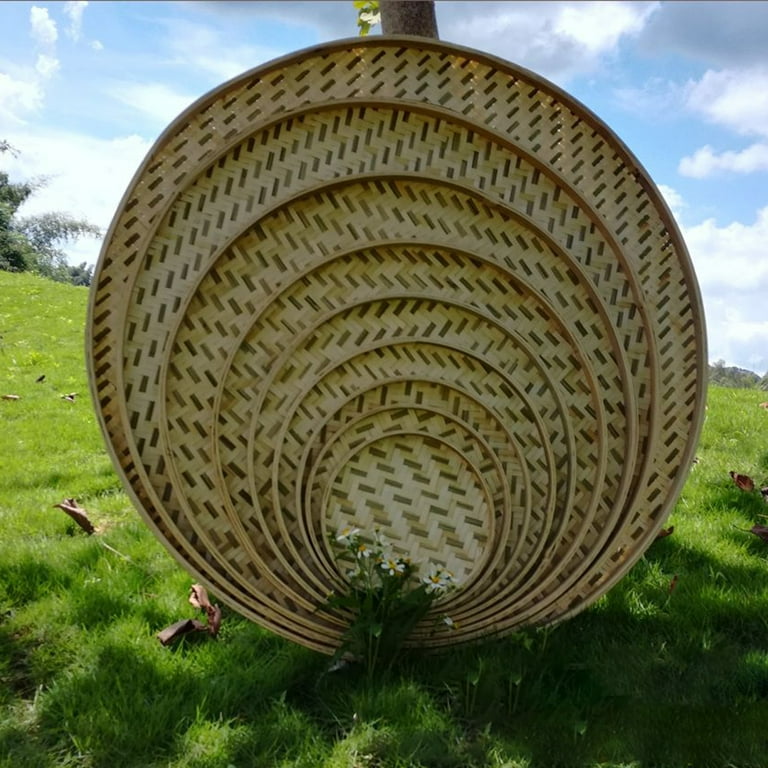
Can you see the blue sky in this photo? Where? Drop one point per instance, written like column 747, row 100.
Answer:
column 86, row 88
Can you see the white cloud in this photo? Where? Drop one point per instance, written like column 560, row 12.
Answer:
column 157, row 101
column 731, row 264
column 44, row 33
column 657, row 96
column 87, row 176
column 43, row 28
column 735, row 338
column 706, row 162
column 598, row 27
column 204, row 48
column 97, row 45
column 734, row 256
column 18, row 98
column 734, row 98
column 74, row 10
column 558, row 40
column 673, row 199
column 47, row 66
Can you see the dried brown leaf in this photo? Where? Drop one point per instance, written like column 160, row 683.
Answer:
column 11, row 397
column 213, row 613
column 673, row 584
column 745, row 482
column 761, row 531
column 77, row 513
column 198, row 597
column 664, row 532
column 180, row 628
column 764, row 405
column 40, row 379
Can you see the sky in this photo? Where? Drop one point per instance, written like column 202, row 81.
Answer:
column 86, row 89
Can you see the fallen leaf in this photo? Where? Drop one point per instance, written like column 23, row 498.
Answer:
column 179, row 628
column 198, row 597
column 761, row 531
column 11, row 397
column 764, row 405
column 77, row 513
column 764, row 491
column 70, row 397
column 40, row 379
column 664, row 532
column 673, row 584
column 214, row 619
column 745, row 482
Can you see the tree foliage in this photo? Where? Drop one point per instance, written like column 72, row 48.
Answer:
column 368, row 15
column 732, row 376
column 34, row 243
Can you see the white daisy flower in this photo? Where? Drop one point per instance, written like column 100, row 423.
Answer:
column 345, row 535
column 450, row 623
column 393, row 567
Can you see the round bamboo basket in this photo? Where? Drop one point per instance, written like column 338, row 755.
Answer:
column 400, row 284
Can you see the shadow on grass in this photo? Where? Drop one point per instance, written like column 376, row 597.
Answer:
column 30, row 578
column 16, row 677
column 131, row 704
column 644, row 677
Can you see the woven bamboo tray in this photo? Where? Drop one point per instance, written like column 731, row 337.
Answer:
column 396, row 283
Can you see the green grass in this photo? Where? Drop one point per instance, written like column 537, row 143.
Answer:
column 645, row 677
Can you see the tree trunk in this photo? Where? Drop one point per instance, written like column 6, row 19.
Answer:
column 408, row 17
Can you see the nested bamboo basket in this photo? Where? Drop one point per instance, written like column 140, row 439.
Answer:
column 397, row 283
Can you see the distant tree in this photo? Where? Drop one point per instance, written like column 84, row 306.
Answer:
column 81, row 274
column 34, row 243
column 732, row 376
column 45, row 233
column 15, row 249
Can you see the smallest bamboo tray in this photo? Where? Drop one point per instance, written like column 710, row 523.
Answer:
column 397, row 284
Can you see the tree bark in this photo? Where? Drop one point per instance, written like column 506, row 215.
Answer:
column 408, row 17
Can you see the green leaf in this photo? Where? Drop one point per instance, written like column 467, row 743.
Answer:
column 368, row 15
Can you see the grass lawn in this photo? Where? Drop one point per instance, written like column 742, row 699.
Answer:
column 648, row 676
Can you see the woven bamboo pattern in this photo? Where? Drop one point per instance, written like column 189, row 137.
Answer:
column 399, row 284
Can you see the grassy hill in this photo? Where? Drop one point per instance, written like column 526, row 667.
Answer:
column 732, row 376
column 669, row 669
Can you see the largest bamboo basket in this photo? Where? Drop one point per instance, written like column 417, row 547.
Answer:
column 401, row 284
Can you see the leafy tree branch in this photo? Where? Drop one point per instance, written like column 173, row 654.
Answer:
column 34, row 243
